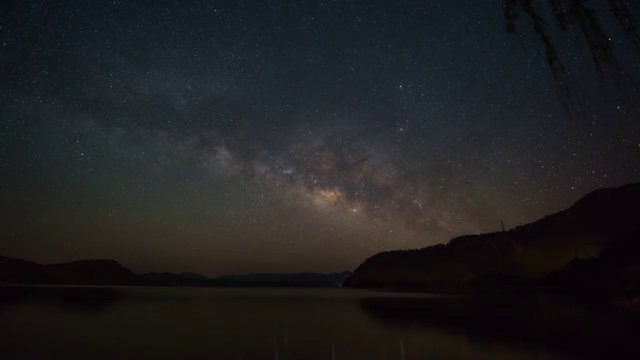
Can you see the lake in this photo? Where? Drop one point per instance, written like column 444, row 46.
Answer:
column 268, row 323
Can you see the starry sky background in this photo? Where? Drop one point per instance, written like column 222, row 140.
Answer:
column 278, row 136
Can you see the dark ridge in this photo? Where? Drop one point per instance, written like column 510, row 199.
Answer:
column 109, row 272
column 251, row 280
column 171, row 279
column 83, row 272
column 510, row 258
column 296, row 279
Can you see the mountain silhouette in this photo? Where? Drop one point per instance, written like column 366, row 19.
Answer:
column 251, row 280
column 83, row 272
column 295, row 279
column 109, row 272
column 183, row 279
column 616, row 271
column 531, row 251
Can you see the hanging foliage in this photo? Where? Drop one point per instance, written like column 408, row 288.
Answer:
column 580, row 16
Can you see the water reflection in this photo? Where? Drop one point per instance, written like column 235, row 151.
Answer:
column 74, row 298
column 564, row 325
column 267, row 324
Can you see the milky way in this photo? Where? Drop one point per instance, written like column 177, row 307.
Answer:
column 231, row 137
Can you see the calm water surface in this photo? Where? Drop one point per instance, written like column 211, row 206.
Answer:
column 221, row 323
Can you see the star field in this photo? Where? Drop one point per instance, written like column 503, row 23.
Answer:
column 233, row 137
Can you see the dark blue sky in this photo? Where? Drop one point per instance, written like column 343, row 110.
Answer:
column 241, row 136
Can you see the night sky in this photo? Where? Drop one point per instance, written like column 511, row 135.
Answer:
column 279, row 136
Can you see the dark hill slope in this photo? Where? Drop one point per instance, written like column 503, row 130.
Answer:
column 84, row 272
column 529, row 251
column 295, row 279
column 252, row 280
